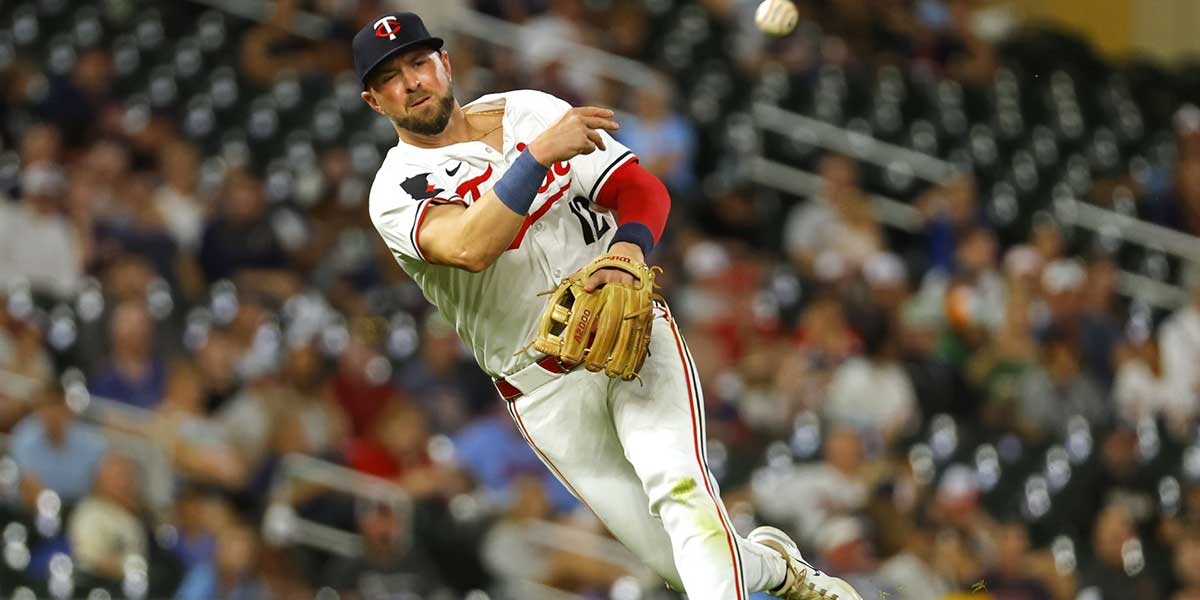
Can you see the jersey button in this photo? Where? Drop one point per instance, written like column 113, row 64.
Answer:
column 538, row 227
column 557, row 273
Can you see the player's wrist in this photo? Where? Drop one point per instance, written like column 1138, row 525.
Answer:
column 519, row 185
column 636, row 235
column 537, row 150
column 627, row 249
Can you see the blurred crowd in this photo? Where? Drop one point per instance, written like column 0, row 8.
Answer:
column 929, row 414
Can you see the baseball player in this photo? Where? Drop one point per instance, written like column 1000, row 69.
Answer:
column 485, row 206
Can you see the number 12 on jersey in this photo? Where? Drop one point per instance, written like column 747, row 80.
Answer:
column 593, row 224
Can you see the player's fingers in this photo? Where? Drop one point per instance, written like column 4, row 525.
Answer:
column 593, row 283
column 596, row 139
column 605, row 276
column 596, row 281
column 594, row 111
column 598, row 123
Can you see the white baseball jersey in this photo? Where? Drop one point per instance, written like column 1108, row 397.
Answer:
column 496, row 311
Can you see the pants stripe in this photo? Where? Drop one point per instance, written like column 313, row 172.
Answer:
column 695, row 377
column 697, row 435
column 516, row 416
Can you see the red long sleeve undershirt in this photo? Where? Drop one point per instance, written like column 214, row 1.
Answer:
column 637, row 197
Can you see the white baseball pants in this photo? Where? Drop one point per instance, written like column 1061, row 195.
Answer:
column 635, row 454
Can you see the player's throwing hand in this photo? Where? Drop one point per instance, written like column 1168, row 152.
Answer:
column 573, row 134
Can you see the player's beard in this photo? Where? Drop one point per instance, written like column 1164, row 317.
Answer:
column 433, row 124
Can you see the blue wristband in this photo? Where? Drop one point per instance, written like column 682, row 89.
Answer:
column 635, row 233
column 517, row 188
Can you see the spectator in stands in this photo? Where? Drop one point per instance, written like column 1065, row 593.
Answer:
column 913, row 567
column 516, row 550
column 96, row 178
column 824, row 341
column 106, row 528
column 1099, row 321
column 1046, row 237
column 1123, row 476
column 240, row 239
column 1057, row 389
column 1179, row 345
column 949, row 210
column 396, row 448
column 966, row 535
column 199, row 515
column 393, row 563
column 807, row 497
column 24, row 365
column 737, row 212
column 873, row 392
column 962, row 50
column 493, row 453
column 362, row 384
column 309, row 400
column 1088, row 328
column 198, row 446
column 176, row 197
column 973, row 296
column 838, row 218
column 1117, row 570
column 231, row 574
column 996, row 369
column 629, row 30
column 444, row 380
column 75, row 103
column 54, row 451
column 270, row 50
column 39, row 244
column 1182, row 210
column 662, row 139
column 847, row 553
column 1011, row 576
column 251, row 418
column 395, row 445
column 562, row 21
column 136, row 226
column 1186, row 564
column 216, row 359
column 1141, row 389
column 886, row 282
column 134, row 374
column 41, row 143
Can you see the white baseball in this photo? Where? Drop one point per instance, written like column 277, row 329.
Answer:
column 776, row 17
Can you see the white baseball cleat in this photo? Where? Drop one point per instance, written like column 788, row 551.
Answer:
column 803, row 581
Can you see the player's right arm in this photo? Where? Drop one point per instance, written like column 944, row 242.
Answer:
column 473, row 237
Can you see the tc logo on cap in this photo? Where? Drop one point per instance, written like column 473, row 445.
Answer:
column 387, row 27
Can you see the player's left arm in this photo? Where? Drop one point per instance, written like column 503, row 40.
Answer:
column 642, row 205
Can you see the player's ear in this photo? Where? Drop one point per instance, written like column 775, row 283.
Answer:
column 369, row 98
column 445, row 57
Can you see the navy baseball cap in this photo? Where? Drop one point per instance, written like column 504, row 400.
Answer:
column 387, row 35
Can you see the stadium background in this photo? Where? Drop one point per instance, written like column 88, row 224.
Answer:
column 936, row 260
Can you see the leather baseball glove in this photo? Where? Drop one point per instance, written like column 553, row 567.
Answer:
column 607, row 329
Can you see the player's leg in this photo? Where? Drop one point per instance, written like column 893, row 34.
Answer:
column 660, row 424
column 568, row 424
